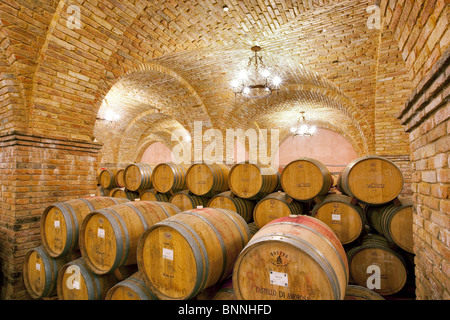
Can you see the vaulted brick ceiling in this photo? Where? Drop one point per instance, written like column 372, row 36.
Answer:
column 326, row 55
column 177, row 58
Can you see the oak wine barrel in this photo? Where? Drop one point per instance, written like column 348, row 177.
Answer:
column 124, row 193
column 274, row 206
column 77, row 282
column 169, row 177
column 153, row 195
column 375, row 266
column 253, row 228
column 186, row 201
column 292, row 258
column 395, row 222
column 226, row 291
column 107, row 178
column 347, row 220
column 373, row 180
column 61, row 222
column 225, row 200
column 191, row 251
column 253, row 181
column 132, row 288
column 207, row 180
column 120, row 178
column 138, row 176
column 40, row 272
column 303, row 179
column 355, row 292
column 109, row 237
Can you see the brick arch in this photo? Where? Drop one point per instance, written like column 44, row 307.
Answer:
column 309, row 101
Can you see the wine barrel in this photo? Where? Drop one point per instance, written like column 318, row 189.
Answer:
column 120, row 178
column 253, row 181
column 191, row 251
column 355, row 292
column 60, row 222
column 138, row 176
column 304, row 179
column 253, row 228
column 242, row 206
column 207, row 180
column 40, row 272
column 77, row 282
column 169, row 177
column 153, row 195
column 375, row 266
column 372, row 180
column 347, row 220
column 226, row 291
column 185, row 201
column 124, row 193
column 395, row 222
column 297, row 257
column 132, row 288
column 107, row 178
column 109, row 237
column 274, row 206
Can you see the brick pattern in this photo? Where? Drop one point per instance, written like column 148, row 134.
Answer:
column 36, row 172
column 426, row 118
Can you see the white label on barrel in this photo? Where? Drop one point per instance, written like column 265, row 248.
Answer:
column 168, row 254
column 56, row 223
column 101, row 232
column 137, row 199
column 279, row 278
column 38, row 266
column 336, row 217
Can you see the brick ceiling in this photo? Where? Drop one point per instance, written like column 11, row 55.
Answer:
column 161, row 65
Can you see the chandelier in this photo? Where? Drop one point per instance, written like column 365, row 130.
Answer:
column 255, row 81
column 302, row 128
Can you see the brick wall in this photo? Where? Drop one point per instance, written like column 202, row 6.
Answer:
column 36, row 172
column 426, row 118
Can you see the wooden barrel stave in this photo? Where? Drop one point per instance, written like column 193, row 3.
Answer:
column 347, row 220
column 304, row 179
column 207, row 180
column 375, row 254
column 107, row 178
column 186, row 201
column 169, row 177
column 203, row 243
column 373, row 180
column 132, row 288
column 77, row 282
column 61, row 222
column 40, row 272
column 395, row 222
column 138, row 176
column 109, row 237
column 153, row 195
column 243, row 207
column 302, row 258
column 274, row 206
column 253, row 181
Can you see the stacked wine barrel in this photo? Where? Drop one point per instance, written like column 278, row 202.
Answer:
column 247, row 231
column 60, row 227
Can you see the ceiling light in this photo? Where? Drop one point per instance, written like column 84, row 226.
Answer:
column 225, row 8
column 302, row 128
column 255, row 81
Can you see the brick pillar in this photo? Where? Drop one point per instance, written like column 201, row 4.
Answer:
column 36, row 172
column 426, row 119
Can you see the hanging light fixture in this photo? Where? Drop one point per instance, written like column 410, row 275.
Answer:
column 302, row 128
column 255, row 81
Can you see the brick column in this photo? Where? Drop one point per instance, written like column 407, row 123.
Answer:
column 426, row 119
column 36, row 172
